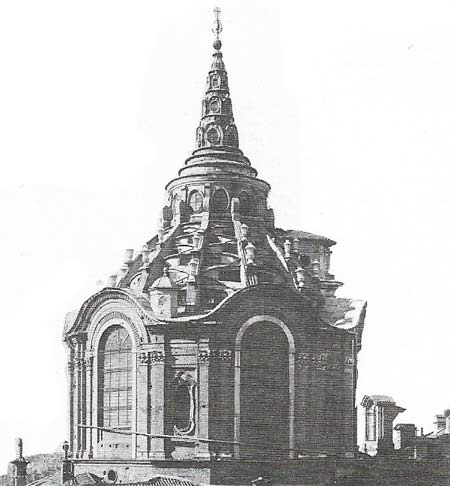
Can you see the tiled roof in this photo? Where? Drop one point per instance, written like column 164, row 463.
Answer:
column 169, row 481
column 85, row 479
column 163, row 481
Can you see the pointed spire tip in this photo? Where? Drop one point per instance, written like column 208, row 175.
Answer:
column 217, row 29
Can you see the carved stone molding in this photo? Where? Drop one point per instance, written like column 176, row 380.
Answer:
column 319, row 361
column 222, row 355
column 70, row 366
column 122, row 316
column 79, row 363
column 94, row 302
column 204, row 356
column 143, row 358
column 88, row 362
column 225, row 355
column 156, row 357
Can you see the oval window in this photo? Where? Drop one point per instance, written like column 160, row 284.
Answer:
column 196, row 202
column 214, row 105
column 220, row 200
column 212, row 135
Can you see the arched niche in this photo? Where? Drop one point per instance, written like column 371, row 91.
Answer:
column 264, row 388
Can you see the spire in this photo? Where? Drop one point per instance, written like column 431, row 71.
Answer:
column 217, row 128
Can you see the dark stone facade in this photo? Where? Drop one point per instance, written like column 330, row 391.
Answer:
column 220, row 349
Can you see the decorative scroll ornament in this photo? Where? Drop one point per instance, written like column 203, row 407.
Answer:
column 184, row 403
column 143, row 358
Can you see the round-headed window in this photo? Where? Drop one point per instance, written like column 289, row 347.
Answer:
column 196, row 201
column 220, row 200
column 115, row 366
column 215, row 81
column 175, row 201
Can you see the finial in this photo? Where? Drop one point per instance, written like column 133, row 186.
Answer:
column 19, row 449
column 217, row 29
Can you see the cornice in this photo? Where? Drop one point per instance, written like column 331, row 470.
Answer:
column 93, row 303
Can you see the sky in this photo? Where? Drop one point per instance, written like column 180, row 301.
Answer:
column 343, row 107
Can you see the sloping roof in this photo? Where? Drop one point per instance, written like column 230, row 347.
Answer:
column 304, row 235
column 170, row 481
column 381, row 400
column 53, row 480
column 87, row 479
column 348, row 314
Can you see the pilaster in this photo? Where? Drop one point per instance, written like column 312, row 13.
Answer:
column 222, row 409
column 204, row 357
column 143, row 402
column 348, row 389
column 157, row 392
column 88, row 365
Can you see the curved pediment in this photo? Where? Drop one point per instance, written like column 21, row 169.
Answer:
column 107, row 299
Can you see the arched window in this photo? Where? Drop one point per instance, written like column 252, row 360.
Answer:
column 371, row 423
column 115, row 379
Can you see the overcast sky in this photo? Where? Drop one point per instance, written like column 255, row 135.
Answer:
column 343, row 107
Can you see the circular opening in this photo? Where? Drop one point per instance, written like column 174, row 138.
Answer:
column 111, row 476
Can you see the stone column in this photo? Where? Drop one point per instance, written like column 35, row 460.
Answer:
column 203, row 398
column 77, row 400
column 83, row 408
column 70, row 398
column 142, row 412
column 88, row 362
column 157, row 385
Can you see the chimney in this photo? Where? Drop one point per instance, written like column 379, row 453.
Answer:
column 447, row 421
column 439, row 423
column 17, row 470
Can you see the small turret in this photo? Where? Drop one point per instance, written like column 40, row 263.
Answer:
column 17, row 470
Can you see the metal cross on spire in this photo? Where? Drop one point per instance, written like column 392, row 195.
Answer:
column 217, row 29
